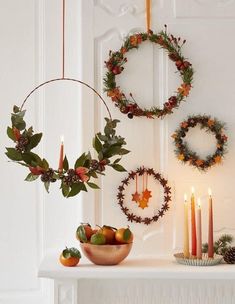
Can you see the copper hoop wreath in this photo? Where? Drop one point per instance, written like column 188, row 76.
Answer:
column 160, row 212
column 73, row 180
column 66, row 79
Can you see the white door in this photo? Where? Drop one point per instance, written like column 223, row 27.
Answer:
column 31, row 221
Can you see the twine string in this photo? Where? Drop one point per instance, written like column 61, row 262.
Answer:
column 63, row 38
column 148, row 15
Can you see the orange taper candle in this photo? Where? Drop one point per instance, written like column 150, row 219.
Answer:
column 193, row 225
column 210, row 230
column 61, row 154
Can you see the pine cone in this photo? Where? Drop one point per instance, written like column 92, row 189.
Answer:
column 48, row 176
column 21, row 144
column 71, row 172
column 94, row 164
column 229, row 256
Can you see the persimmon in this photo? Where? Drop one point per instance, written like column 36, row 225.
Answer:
column 70, row 257
column 84, row 233
column 124, row 236
column 98, row 239
column 109, row 234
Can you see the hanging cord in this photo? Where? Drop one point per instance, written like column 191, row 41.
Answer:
column 63, row 69
column 143, row 181
column 146, row 181
column 63, row 38
column 136, row 183
column 148, row 15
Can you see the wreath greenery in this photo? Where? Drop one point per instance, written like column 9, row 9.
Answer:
column 115, row 66
column 121, row 196
column 75, row 179
column 186, row 155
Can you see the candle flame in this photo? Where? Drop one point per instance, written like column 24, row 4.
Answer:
column 62, row 139
column 199, row 203
column 185, row 197
column 209, row 192
column 193, row 190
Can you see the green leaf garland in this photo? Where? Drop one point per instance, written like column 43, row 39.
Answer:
column 73, row 180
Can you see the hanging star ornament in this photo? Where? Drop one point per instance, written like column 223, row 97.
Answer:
column 147, row 194
column 143, row 203
column 136, row 197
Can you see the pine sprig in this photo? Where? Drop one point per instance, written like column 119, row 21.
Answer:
column 187, row 155
column 115, row 66
column 221, row 245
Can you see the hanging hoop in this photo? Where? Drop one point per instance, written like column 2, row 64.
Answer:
column 73, row 180
column 65, row 79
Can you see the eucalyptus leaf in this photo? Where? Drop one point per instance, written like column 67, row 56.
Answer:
column 32, row 159
column 75, row 189
column 10, row 133
column 117, row 160
column 80, row 161
column 97, row 144
column 47, row 186
column 100, row 156
column 45, row 164
column 124, row 151
column 65, row 190
column 113, row 150
column 118, row 167
column 30, row 177
column 13, row 154
column 65, row 164
column 16, row 109
column 93, row 186
column 93, row 174
column 34, row 140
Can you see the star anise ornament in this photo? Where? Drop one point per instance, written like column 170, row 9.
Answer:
column 143, row 198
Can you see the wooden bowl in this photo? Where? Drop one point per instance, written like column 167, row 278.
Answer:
column 106, row 254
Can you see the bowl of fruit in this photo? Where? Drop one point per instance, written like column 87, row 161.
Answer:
column 106, row 245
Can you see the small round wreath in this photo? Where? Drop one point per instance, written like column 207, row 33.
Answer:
column 115, row 66
column 72, row 179
column 121, row 196
column 186, row 155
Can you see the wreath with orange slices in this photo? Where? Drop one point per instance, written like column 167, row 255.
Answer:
column 209, row 124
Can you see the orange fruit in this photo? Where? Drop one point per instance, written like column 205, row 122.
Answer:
column 84, row 233
column 124, row 236
column 69, row 262
column 109, row 234
column 70, row 257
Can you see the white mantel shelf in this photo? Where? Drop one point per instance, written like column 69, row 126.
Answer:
column 133, row 267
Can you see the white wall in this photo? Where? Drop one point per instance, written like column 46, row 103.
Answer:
column 32, row 221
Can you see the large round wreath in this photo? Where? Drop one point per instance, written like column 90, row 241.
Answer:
column 73, row 179
column 121, row 196
column 115, row 65
column 186, row 155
